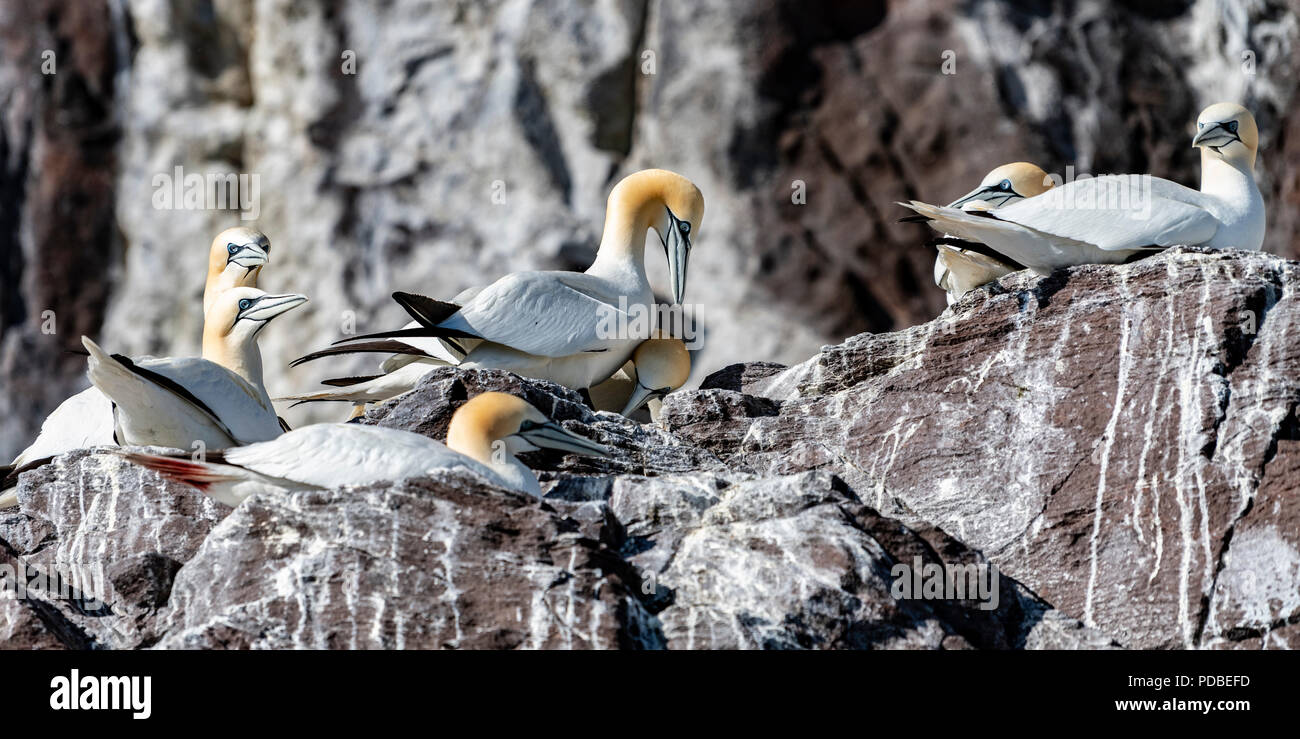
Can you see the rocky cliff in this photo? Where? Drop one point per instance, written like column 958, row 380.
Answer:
column 432, row 146
column 1118, row 447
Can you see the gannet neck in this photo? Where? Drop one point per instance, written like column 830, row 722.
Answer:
column 237, row 353
column 1227, row 178
column 622, row 244
column 229, row 277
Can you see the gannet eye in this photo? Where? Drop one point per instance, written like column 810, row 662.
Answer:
column 232, row 248
column 685, row 227
column 528, row 426
column 1232, row 126
column 1005, row 186
column 245, row 304
column 1200, row 125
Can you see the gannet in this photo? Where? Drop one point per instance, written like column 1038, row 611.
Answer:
column 484, row 436
column 1109, row 219
column 176, row 402
column 962, row 266
column 235, row 259
column 557, row 325
column 660, row 365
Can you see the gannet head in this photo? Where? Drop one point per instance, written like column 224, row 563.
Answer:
column 1006, row 184
column 235, row 259
column 493, row 417
column 240, row 313
column 1227, row 131
column 662, row 366
column 670, row 204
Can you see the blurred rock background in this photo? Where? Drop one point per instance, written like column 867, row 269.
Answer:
column 384, row 178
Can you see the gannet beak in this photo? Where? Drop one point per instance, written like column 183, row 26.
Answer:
column 551, row 435
column 1215, row 136
column 249, row 256
column 677, row 247
column 640, row 396
column 990, row 196
column 269, row 306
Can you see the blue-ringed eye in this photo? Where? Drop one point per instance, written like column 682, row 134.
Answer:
column 245, row 304
column 1200, row 125
column 685, row 227
column 232, row 248
column 1232, row 126
column 1005, row 186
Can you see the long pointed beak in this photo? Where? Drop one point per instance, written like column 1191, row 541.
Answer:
column 554, row 436
column 250, row 258
column 978, row 192
column 1215, row 132
column 677, row 247
column 271, row 306
column 640, row 396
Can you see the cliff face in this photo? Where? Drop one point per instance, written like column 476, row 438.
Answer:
column 1120, row 444
column 434, row 146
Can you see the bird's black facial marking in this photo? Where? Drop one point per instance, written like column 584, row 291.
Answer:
column 685, row 228
column 1231, row 126
column 232, row 248
column 529, row 426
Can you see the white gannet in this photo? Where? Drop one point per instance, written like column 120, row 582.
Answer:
column 1107, row 220
column 484, row 436
column 961, row 266
column 176, row 402
column 235, row 259
column 573, row 328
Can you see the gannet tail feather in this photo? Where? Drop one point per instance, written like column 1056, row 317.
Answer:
column 347, row 381
column 9, row 480
column 426, row 310
column 436, row 332
column 385, row 346
column 201, row 475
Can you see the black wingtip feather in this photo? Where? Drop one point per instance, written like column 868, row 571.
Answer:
column 426, row 310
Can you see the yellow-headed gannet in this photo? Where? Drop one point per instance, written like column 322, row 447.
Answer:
column 660, row 365
column 1107, row 220
column 484, row 436
column 573, row 328
column 235, row 259
column 962, row 266
column 175, row 402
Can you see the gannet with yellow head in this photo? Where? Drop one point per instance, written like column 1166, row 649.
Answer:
column 484, row 436
column 1107, row 220
column 962, row 266
column 556, row 325
column 235, row 259
column 660, row 365
column 176, row 402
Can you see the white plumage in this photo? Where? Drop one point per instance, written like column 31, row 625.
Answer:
column 579, row 328
column 484, row 436
column 1110, row 219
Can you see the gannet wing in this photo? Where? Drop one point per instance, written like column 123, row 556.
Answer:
column 83, row 420
column 547, row 314
column 332, row 454
column 1117, row 212
column 228, row 398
